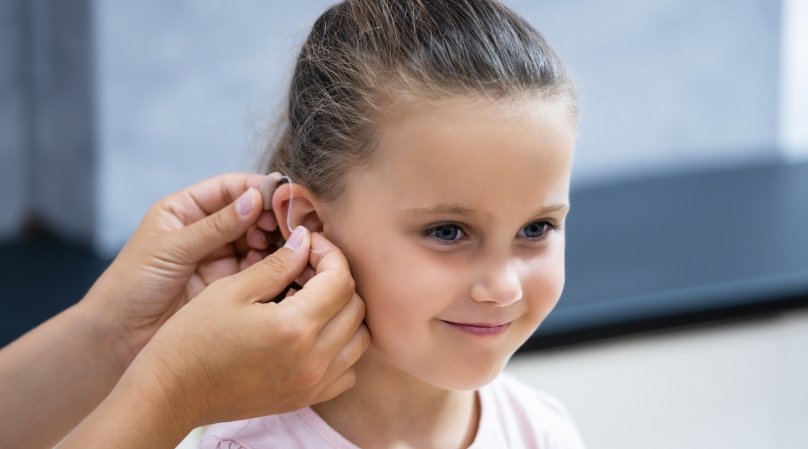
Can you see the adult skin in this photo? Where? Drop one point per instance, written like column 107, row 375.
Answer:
column 55, row 375
column 258, row 357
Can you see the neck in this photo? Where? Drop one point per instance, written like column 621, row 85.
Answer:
column 389, row 408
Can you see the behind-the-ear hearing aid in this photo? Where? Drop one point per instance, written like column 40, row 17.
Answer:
column 267, row 190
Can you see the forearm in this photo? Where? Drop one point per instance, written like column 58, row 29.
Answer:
column 138, row 413
column 55, row 375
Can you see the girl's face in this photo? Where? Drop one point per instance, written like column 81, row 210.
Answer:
column 454, row 234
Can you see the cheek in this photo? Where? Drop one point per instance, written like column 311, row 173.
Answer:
column 403, row 291
column 542, row 285
column 403, row 288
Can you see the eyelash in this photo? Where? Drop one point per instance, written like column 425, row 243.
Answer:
column 431, row 232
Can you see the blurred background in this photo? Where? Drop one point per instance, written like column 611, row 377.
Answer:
column 683, row 322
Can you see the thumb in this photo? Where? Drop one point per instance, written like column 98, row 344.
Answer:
column 267, row 279
column 201, row 238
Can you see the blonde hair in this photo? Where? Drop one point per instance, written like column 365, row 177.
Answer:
column 364, row 55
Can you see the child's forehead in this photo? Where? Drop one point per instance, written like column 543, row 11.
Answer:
column 474, row 152
column 477, row 136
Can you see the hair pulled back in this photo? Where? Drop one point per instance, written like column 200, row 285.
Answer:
column 363, row 55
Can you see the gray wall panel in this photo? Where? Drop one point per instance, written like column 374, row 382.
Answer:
column 13, row 116
column 667, row 85
column 63, row 157
column 184, row 89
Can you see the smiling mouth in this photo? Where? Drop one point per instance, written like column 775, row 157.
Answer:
column 480, row 329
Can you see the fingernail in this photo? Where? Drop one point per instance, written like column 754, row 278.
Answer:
column 244, row 203
column 296, row 239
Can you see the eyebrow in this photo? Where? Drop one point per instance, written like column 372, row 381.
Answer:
column 458, row 209
column 446, row 208
column 552, row 208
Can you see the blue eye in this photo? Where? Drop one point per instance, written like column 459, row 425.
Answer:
column 534, row 230
column 447, row 233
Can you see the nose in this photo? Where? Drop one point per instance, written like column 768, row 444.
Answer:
column 501, row 287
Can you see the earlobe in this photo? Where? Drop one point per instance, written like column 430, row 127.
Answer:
column 304, row 211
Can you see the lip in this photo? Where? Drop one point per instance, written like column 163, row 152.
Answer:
column 480, row 329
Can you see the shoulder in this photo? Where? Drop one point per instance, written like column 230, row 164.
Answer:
column 525, row 417
column 268, row 432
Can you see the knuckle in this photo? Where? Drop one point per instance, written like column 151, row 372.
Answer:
column 311, row 374
column 217, row 224
column 309, row 333
column 343, row 283
column 156, row 207
column 220, row 287
column 350, row 377
column 293, row 336
column 350, row 283
column 364, row 337
column 312, row 396
column 298, row 335
column 359, row 307
column 277, row 267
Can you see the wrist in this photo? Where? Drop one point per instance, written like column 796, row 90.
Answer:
column 136, row 414
column 97, row 319
column 152, row 383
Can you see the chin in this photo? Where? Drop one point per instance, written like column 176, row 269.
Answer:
column 466, row 376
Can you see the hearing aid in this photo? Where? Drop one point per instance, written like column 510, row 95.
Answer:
column 267, row 189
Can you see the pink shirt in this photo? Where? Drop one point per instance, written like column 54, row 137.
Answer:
column 513, row 416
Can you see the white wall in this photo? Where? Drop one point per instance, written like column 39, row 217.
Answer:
column 793, row 119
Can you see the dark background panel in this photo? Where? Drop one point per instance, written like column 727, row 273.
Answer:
column 677, row 250
column 664, row 234
column 39, row 277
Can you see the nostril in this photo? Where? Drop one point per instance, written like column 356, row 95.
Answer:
column 511, row 295
column 503, row 294
column 479, row 293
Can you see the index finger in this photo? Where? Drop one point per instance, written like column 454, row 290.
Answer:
column 325, row 294
column 211, row 195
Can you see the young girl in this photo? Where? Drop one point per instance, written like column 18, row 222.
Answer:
column 431, row 141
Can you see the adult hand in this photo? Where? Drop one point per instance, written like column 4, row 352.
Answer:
column 232, row 354
column 55, row 375
column 185, row 242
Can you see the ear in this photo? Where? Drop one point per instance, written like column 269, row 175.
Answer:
column 306, row 209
